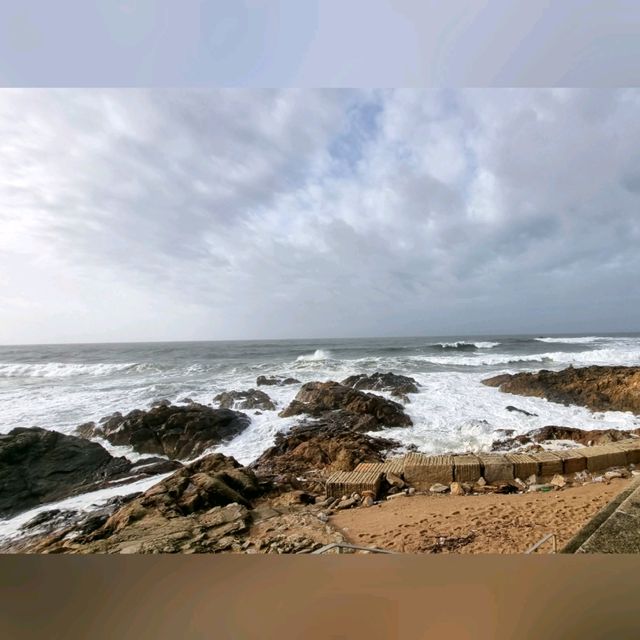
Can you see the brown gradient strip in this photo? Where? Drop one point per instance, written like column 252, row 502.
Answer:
column 247, row 597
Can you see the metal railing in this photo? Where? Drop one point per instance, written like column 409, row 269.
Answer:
column 341, row 545
column 537, row 545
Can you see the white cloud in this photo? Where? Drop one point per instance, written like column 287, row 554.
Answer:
column 144, row 214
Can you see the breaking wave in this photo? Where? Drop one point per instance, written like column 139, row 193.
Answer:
column 317, row 355
column 69, row 369
column 465, row 346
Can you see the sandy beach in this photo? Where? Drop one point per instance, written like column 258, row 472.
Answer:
column 476, row 524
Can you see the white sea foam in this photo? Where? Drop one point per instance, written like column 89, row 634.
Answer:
column 456, row 412
column 586, row 340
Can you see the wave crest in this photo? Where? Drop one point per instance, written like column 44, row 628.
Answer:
column 465, row 346
column 318, row 354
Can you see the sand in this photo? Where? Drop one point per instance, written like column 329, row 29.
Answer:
column 476, row 524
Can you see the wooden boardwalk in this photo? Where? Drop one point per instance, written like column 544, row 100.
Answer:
column 422, row 471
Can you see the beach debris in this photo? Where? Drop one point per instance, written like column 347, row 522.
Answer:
column 532, row 479
column 395, row 480
column 346, row 504
column 558, row 481
column 438, row 488
column 541, row 488
column 456, row 489
column 522, row 486
column 609, row 475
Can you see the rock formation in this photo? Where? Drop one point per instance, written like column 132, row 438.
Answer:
column 398, row 385
column 39, row 466
column 600, row 388
column 251, row 399
column 178, row 432
column 363, row 411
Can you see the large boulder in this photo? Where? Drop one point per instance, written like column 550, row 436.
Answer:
column 199, row 508
column 251, row 399
column 600, row 388
column 323, row 445
column 365, row 411
column 39, row 466
column 398, row 385
column 178, row 432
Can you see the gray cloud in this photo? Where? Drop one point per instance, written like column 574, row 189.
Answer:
column 203, row 214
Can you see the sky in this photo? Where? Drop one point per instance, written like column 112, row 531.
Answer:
column 144, row 215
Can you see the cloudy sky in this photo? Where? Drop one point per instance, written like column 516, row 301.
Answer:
column 233, row 214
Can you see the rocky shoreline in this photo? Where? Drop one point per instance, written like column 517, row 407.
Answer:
column 277, row 504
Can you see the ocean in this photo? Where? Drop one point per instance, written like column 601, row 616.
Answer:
column 62, row 386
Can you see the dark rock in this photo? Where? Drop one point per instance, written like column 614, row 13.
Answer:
column 526, row 413
column 275, row 381
column 600, row 388
column 365, row 411
column 181, row 432
column 398, row 385
column 39, row 466
column 251, row 399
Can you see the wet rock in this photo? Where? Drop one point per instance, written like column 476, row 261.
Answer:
column 398, row 385
column 179, row 432
column 600, row 388
column 363, row 411
column 327, row 444
column 39, row 466
column 526, row 413
column 278, row 381
column 251, row 399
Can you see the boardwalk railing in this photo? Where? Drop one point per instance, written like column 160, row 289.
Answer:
column 341, row 545
column 537, row 545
